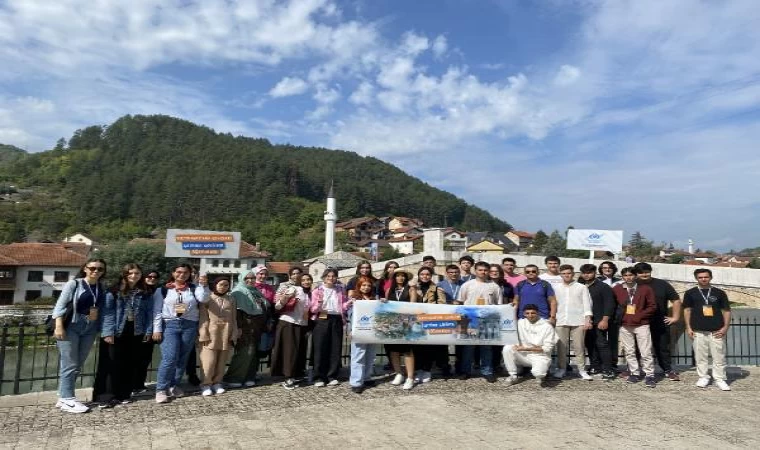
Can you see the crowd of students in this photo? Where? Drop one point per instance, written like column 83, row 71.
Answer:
column 187, row 315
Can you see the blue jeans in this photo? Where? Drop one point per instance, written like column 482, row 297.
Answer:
column 362, row 361
column 73, row 351
column 178, row 339
column 468, row 353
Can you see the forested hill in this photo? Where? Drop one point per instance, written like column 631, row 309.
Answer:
column 152, row 172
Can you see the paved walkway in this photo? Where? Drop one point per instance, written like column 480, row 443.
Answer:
column 441, row 414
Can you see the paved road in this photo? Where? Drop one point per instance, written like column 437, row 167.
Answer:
column 442, row 414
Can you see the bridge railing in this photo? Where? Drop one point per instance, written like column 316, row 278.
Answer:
column 29, row 360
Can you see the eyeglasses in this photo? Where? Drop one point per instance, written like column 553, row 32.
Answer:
column 96, row 269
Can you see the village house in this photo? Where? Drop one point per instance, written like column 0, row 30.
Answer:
column 363, row 228
column 522, row 239
column 29, row 271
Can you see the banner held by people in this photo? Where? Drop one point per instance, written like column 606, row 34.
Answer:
column 432, row 324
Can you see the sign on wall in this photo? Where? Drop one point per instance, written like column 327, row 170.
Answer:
column 202, row 244
column 609, row 240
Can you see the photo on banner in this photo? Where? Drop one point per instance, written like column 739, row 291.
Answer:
column 432, row 324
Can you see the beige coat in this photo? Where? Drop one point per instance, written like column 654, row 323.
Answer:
column 218, row 322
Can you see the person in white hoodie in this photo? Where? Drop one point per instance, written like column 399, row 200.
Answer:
column 573, row 319
column 536, row 341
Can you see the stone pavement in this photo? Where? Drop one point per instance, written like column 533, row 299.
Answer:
column 442, row 414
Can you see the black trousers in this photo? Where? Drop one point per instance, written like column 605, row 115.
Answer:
column 661, row 343
column 144, row 359
column 327, row 339
column 613, row 337
column 598, row 347
column 427, row 355
column 117, row 366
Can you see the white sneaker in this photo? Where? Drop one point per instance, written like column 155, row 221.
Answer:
column 512, row 379
column 72, row 405
column 425, row 376
column 319, row 383
column 218, row 388
column 408, row 384
column 333, row 382
column 703, row 382
column 249, row 383
column 161, row 397
column 585, row 375
column 398, row 379
column 206, row 391
column 559, row 373
column 722, row 385
column 234, row 385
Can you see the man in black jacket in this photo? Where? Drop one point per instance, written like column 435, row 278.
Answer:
column 603, row 308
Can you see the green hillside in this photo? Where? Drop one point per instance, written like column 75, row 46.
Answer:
column 152, row 172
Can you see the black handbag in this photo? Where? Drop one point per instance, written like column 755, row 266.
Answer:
column 50, row 322
column 67, row 316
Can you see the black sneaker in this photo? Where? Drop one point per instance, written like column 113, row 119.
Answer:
column 649, row 382
column 609, row 375
column 357, row 389
column 370, row 383
column 632, row 379
column 490, row 378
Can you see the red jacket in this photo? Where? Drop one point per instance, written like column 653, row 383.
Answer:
column 644, row 301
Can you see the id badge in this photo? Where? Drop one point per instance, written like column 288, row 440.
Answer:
column 180, row 308
column 630, row 309
column 707, row 311
column 93, row 316
column 323, row 315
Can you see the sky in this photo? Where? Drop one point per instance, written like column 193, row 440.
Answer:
column 639, row 115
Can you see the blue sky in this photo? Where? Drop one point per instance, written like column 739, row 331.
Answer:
column 634, row 115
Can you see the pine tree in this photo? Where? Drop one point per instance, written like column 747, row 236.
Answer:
column 539, row 241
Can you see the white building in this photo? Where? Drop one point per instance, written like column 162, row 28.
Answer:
column 32, row 270
column 250, row 256
column 80, row 238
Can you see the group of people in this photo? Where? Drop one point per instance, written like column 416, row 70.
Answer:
column 221, row 323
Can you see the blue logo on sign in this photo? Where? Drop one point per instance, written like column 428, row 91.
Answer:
column 365, row 319
column 507, row 322
column 595, row 237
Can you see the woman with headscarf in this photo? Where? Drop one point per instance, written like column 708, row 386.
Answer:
column 252, row 313
column 217, row 334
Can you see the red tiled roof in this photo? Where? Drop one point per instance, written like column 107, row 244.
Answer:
column 39, row 254
column 523, row 234
column 282, row 266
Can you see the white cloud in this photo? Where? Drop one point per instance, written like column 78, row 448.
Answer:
column 363, row 94
column 289, row 86
column 440, row 45
column 567, row 75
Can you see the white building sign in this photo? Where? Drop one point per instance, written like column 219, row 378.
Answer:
column 202, row 244
column 606, row 240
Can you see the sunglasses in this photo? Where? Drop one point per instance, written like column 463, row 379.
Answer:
column 96, row 269
column 531, row 271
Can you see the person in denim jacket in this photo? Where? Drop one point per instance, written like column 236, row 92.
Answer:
column 127, row 322
column 86, row 296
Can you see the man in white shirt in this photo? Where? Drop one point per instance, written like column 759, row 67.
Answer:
column 552, row 271
column 573, row 319
column 536, row 340
column 480, row 291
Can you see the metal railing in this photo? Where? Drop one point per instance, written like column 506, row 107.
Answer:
column 29, row 359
